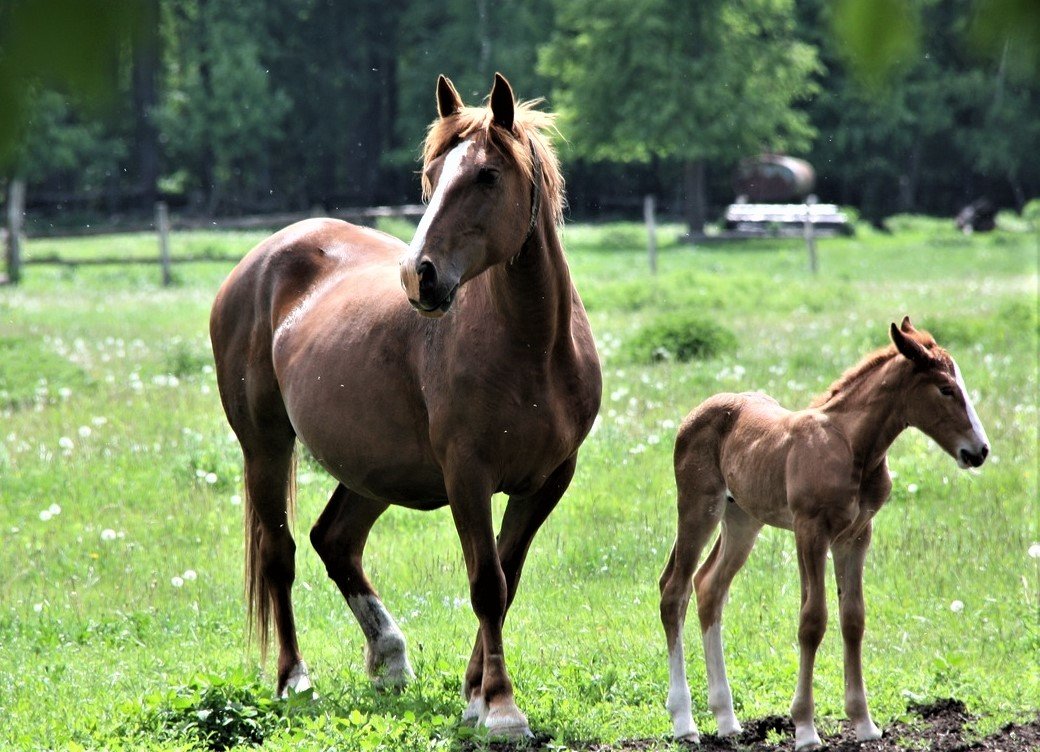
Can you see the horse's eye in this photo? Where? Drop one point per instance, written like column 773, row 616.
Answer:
column 946, row 391
column 487, row 176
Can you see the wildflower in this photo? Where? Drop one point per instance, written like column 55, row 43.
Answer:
column 84, row 431
column 211, row 478
column 108, row 534
column 177, row 581
column 190, row 575
column 66, row 443
column 37, row 607
column 1034, row 551
column 912, row 488
column 957, row 606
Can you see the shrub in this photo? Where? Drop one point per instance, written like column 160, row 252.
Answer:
column 680, row 337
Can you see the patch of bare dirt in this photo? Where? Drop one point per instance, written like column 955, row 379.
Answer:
column 942, row 726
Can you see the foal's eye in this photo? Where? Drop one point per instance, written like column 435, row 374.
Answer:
column 487, row 176
column 946, row 391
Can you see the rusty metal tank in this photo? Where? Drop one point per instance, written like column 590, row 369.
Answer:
column 774, row 179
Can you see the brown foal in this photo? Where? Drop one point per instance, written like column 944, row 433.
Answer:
column 491, row 387
column 822, row 472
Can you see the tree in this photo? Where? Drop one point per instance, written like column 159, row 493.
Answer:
column 699, row 83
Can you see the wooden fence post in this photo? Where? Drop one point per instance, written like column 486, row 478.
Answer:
column 162, row 226
column 15, row 219
column 810, row 237
column 651, row 231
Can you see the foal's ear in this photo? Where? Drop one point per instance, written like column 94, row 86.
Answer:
column 909, row 347
column 448, row 100
column 502, row 102
column 906, row 326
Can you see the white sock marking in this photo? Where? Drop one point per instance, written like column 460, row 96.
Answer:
column 386, row 656
column 720, row 699
column 678, row 703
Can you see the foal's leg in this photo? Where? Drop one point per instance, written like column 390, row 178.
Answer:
column 521, row 521
column 812, row 545
column 339, row 537
column 739, row 533
column 470, row 502
column 270, row 554
column 699, row 514
column 849, row 555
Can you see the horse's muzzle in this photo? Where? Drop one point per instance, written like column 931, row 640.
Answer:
column 428, row 292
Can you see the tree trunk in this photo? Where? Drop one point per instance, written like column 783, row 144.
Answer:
column 695, row 203
column 145, row 95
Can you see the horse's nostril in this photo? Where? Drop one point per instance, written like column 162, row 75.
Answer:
column 427, row 276
column 985, row 451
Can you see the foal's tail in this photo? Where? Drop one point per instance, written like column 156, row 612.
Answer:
column 259, row 591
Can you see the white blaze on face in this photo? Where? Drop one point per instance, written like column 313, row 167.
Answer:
column 449, row 174
column 973, row 418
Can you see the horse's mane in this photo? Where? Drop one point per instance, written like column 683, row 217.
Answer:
column 872, row 361
column 531, row 130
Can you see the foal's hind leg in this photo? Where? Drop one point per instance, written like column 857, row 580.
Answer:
column 522, row 519
column 701, row 505
column 713, row 579
column 339, row 537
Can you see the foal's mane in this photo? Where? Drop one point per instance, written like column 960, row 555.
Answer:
column 532, row 129
column 873, row 361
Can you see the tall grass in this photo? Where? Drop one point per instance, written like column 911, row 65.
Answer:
column 121, row 609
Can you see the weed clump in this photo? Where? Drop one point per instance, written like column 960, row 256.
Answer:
column 679, row 337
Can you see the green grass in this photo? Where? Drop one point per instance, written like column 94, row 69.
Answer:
column 118, row 474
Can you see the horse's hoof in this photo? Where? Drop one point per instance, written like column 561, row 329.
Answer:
column 507, row 723
column 475, row 711
column 807, row 739
column 690, row 737
column 729, row 727
column 387, row 664
column 298, row 682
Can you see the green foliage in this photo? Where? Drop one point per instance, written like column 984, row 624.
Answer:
column 679, row 337
column 212, row 712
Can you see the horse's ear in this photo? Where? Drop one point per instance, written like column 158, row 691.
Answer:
column 909, row 347
column 906, row 326
column 448, row 100
column 503, row 104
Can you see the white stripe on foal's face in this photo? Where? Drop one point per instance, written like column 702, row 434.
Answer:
column 979, row 433
column 449, row 174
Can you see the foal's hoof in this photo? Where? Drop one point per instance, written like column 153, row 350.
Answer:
column 866, row 731
column 475, row 711
column 507, row 722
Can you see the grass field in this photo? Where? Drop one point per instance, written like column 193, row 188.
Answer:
column 121, row 610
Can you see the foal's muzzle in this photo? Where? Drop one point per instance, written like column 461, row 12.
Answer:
column 970, row 458
column 429, row 292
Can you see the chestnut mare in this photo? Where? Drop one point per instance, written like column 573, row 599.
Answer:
column 492, row 389
column 822, row 472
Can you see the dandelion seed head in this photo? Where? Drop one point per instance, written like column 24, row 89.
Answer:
column 190, row 575
column 84, row 431
column 911, row 488
column 66, row 443
column 108, row 534
column 177, row 581
column 1034, row 550
column 957, row 606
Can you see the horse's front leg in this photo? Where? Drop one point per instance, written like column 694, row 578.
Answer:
column 522, row 519
column 812, row 544
column 470, row 504
column 849, row 555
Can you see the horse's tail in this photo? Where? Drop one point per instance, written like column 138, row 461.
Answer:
column 259, row 596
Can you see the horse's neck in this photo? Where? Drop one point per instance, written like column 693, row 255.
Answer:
column 533, row 290
column 871, row 413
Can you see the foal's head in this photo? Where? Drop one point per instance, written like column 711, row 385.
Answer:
column 937, row 399
column 490, row 175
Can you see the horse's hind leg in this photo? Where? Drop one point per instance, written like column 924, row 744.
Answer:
column 701, row 503
column 521, row 521
column 739, row 532
column 339, row 537
column 270, row 553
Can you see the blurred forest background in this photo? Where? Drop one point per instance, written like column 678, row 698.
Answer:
column 225, row 108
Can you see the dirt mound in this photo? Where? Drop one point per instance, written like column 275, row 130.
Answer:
column 941, row 728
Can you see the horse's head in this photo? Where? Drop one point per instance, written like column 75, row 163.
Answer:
column 938, row 402
column 483, row 173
